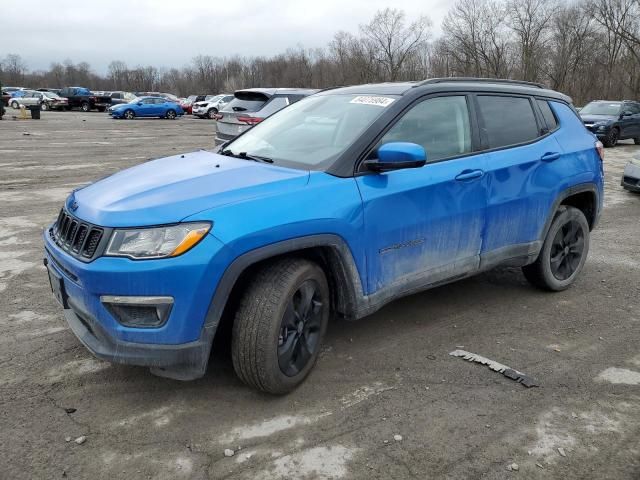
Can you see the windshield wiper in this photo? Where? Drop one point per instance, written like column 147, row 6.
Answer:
column 246, row 156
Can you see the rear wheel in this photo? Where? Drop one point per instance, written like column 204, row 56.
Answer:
column 85, row 107
column 44, row 106
column 563, row 253
column 171, row 114
column 612, row 138
column 279, row 325
column 211, row 113
column 129, row 114
column 15, row 105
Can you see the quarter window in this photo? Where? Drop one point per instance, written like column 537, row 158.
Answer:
column 507, row 120
column 548, row 115
column 440, row 125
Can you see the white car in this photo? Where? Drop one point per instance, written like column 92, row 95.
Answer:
column 211, row 105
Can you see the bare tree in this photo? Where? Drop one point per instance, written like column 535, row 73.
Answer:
column 393, row 41
column 14, row 69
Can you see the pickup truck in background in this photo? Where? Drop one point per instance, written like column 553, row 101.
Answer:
column 84, row 99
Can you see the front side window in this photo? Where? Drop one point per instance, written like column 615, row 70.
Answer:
column 440, row 125
column 507, row 120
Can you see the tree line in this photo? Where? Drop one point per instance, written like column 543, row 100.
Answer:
column 588, row 49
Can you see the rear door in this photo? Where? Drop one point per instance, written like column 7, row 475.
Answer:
column 523, row 152
column 424, row 225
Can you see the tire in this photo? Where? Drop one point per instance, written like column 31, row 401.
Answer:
column 129, row 114
column 211, row 112
column 611, row 139
column 563, row 252
column 280, row 293
column 171, row 114
column 44, row 107
column 15, row 105
column 85, row 107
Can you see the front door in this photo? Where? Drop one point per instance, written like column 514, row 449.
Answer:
column 424, row 225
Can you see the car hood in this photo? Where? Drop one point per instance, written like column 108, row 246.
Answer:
column 598, row 118
column 170, row 189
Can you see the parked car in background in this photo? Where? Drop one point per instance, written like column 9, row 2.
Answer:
column 211, row 105
column 18, row 93
column 119, row 97
column 249, row 107
column 84, row 99
column 187, row 103
column 52, row 90
column 6, row 96
column 147, row 107
column 401, row 190
column 631, row 175
column 46, row 100
column 10, row 90
column 612, row 120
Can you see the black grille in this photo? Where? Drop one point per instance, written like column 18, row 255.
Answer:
column 80, row 239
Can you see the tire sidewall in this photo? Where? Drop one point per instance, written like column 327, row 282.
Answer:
column 85, row 107
column 559, row 221
column 211, row 112
column 171, row 114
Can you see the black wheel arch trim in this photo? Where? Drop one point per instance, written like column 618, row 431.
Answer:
column 573, row 190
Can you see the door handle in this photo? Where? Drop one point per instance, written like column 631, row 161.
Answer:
column 469, row 175
column 550, row 156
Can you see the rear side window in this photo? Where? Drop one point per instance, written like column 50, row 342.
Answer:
column 547, row 114
column 507, row 120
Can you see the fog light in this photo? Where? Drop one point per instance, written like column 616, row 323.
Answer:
column 140, row 312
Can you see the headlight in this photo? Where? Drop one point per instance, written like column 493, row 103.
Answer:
column 158, row 242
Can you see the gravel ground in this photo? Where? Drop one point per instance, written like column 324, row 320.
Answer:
column 384, row 376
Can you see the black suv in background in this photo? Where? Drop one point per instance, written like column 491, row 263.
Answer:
column 251, row 106
column 612, row 120
column 84, row 99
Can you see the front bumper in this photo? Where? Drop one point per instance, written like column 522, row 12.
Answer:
column 631, row 178
column 179, row 348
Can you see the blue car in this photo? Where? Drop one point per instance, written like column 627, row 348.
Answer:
column 332, row 207
column 146, row 107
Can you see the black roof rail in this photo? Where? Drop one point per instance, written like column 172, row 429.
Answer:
column 483, row 80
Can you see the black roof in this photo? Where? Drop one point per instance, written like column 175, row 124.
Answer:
column 450, row 84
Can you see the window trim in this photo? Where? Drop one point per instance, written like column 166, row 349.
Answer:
column 557, row 127
column 483, row 136
column 473, row 127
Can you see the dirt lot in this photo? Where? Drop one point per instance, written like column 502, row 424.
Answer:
column 386, row 375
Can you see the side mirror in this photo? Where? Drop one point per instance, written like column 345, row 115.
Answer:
column 626, row 113
column 397, row 156
column 139, row 104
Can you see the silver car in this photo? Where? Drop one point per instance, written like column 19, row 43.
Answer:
column 211, row 105
column 251, row 106
column 46, row 100
column 631, row 175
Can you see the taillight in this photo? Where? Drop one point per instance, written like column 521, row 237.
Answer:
column 250, row 120
column 600, row 150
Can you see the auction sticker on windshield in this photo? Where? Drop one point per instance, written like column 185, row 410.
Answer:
column 373, row 100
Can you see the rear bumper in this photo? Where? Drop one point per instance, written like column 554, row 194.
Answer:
column 631, row 178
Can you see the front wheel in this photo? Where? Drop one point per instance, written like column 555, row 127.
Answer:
column 212, row 113
column 85, row 107
column 563, row 252
column 171, row 114
column 44, row 107
column 279, row 325
column 612, row 138
column 15, row 105
column 129, row 115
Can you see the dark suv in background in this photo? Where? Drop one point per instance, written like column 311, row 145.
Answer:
column 612, row 120
column 251, row 106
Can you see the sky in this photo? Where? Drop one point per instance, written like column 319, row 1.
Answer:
column 169, row 33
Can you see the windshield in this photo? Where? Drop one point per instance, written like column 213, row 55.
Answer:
column 600, row 108
column 313, row 132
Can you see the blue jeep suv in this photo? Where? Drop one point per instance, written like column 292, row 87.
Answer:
column 332, row 207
